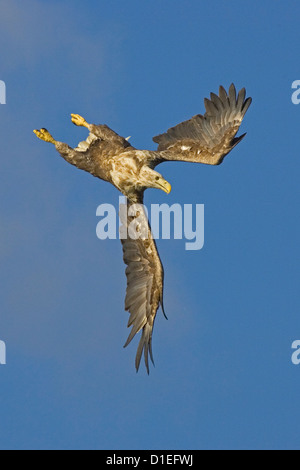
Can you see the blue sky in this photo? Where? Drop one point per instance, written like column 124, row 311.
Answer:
column 223, row 377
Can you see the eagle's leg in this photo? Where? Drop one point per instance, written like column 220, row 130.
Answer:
column 45, row 135
column 72, row 156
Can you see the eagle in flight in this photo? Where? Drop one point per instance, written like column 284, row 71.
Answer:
column 204, row 138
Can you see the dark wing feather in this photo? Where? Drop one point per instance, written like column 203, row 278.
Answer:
column 144, row 274
column 209, row 138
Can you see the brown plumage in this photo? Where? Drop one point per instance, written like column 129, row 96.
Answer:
column 202, row 139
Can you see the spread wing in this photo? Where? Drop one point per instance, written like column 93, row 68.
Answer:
column 144, row 274
column 209, row 138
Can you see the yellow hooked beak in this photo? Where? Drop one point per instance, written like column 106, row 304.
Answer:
column 164, row 185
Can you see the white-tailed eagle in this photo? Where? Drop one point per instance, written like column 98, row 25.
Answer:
column 204, row 138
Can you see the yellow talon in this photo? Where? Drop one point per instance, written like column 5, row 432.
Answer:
column 78, row 120
column 45, row 135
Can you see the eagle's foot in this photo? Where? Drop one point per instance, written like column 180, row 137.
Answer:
column 45, row 135
column 78, row 120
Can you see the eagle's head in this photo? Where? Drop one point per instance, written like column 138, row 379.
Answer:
column 149, row 178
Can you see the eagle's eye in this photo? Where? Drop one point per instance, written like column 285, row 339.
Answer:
column 157, row 178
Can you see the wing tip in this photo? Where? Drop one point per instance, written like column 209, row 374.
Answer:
column 246, row 105
column 236, row 140
column 145, row 345
column 163, row 307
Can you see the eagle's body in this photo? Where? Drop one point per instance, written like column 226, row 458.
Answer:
column 108, row 156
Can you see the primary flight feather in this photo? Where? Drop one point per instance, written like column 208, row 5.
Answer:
column 204, row 138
